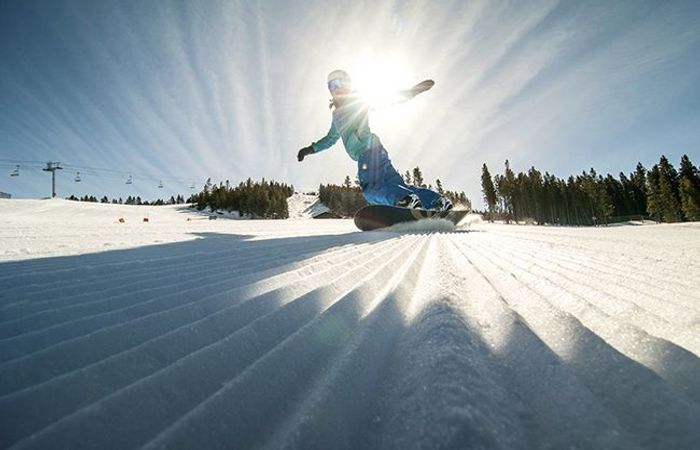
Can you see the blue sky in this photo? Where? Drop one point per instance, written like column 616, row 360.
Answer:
column 180, row 91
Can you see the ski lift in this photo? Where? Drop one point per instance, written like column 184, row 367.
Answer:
column 77, row 177
column 129, row 181
column 192, row 185
column 15, row 173
column 160, row 185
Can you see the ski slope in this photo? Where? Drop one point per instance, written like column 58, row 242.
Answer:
column 202, row 333
column 305, row 205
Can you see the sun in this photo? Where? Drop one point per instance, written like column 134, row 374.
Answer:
column 379, row 83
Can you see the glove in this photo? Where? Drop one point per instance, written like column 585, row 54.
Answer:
column 422, row 87
column 304, row 152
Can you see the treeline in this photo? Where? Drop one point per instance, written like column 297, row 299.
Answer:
column 457, row 198
column 260, row 199
column 660, row 193
column 344, row 200
column 129, row 200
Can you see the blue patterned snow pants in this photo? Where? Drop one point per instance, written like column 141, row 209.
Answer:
column 382, row 185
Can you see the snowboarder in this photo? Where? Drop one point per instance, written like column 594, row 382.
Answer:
column 380, row 182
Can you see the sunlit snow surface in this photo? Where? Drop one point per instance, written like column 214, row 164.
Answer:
column 201, row 333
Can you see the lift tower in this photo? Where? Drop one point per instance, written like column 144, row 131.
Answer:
column 52, row 167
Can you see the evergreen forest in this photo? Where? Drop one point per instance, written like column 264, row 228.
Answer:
column 661, row 193
column 258, row 199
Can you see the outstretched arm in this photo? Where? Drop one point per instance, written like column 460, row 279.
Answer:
column 417, row 89
column 325, row 142
column 405, row 95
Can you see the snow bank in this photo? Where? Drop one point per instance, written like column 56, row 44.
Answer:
column 305, row 206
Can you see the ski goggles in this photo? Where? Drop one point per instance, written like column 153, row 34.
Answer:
column 338, row 83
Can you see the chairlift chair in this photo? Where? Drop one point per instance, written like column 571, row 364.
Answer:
column 128, row 180
column 160, row 184
column 77, row 177
column 15, row 173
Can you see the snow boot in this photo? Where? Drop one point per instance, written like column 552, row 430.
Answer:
column 443, row 204
column 411, row 201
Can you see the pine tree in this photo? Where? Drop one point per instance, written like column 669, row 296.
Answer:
column 689, row 189
column 551, row 199
column 668, row 191
column 587, row 186
column 653, row 197
column 566, row 218
column 638, row 180
column 536, row 193
column 418, row 177
column 489, row 191
column 690, row 200
column 604, row 205
column 616, row 193
column 438, row 184
column 462, row 199
column 627, row 195
column 688, row 170
column 347, row 183
column 506, row 186
column 407, row 177
column 573, row 201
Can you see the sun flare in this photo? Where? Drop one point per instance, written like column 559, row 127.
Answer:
column 379, row 83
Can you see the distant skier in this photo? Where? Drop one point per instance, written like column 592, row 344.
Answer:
column 380, row 182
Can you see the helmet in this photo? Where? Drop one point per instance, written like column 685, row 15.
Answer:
column 338, row 74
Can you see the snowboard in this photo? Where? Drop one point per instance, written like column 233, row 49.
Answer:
column 373, row 217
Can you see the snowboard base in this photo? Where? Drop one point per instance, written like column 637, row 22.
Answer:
column 373, row 217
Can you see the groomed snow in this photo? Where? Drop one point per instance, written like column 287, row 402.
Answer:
column 200, row 333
